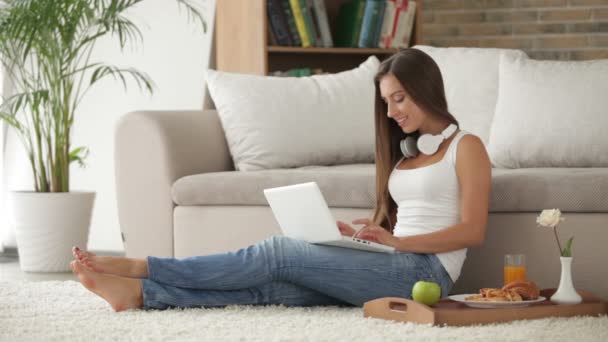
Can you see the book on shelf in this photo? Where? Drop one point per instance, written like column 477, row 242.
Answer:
column 372, row 19
column 386, row 32
column 314, row 18
column 323, row 22
column 297, row 72
column 404, row 24
column 272, row 40
column 291, row 23
column 346, row 23
column 300, row 23
column 359, row 23
column 304, row 22
column 308, row 24
column 278, row 23
column 375, row 23
column 378, row 26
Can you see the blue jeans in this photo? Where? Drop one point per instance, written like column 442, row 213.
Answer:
column 282, row 270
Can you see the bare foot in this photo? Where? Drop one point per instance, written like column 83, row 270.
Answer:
column 121, row 293
column 79, row 253
column 120, row 266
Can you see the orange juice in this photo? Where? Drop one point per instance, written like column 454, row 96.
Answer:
column 513, row 273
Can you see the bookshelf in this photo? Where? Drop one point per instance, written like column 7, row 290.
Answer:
column 242, row 42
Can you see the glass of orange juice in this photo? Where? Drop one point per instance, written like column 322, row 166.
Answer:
column 515, row 267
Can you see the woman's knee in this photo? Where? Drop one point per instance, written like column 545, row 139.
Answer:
column 279, row 242
column 284, row 248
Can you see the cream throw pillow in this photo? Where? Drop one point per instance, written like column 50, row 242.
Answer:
column 470, row 77
column 550, row 114
column 285, row 122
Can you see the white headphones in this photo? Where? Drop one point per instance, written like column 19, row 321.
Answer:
column 427, row 143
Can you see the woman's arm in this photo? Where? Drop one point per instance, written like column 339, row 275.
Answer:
column 474, row 172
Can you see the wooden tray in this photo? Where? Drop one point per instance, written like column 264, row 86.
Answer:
column 453, row 313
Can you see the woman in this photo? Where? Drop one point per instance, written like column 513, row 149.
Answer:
column 430, row 207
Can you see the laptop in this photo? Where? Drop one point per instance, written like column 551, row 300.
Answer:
column 303, row 214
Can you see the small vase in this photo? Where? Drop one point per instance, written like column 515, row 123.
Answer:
column 566, row 294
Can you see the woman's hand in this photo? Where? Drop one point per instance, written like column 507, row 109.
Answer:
column 345, row 229
column 370, row 232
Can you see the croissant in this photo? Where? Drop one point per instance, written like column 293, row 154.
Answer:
column 526, row 289
column 495, row 295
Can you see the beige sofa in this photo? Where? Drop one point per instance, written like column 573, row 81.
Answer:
column 179, row 196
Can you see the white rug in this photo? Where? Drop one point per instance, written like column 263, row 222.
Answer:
column 64, row 310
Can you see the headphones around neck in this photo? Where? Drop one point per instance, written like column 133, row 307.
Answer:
column 427, row 143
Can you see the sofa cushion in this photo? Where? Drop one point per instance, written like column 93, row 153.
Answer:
column 285, row 122
column 353, row 186
column 470, row 77
column 345, row 186
column 535, row 189
column 550, row 114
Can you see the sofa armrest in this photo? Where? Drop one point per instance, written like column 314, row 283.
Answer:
column 152, row 150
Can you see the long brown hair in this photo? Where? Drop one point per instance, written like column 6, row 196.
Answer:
column 421, row 78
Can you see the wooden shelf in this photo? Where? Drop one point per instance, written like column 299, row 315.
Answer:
column 242, row 44
column 363, row 51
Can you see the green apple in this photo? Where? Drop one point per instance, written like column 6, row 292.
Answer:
column 426, row 292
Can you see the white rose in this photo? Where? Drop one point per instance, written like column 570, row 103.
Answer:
column 549, row 218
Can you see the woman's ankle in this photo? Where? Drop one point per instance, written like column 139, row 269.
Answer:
column 140, row 268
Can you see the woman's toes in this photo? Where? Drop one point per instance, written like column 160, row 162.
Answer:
column 90, row 264
column 87, row 255
column 78, row 253
column 83, row 275
column 76, row 266
column 86, row 264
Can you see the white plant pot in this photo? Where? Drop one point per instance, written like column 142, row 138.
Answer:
column 47, row 225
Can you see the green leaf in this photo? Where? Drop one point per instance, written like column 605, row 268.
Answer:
column 567, row 251
column 193, row 12
column 142, row 79
column 45, row 49
column 78, row 155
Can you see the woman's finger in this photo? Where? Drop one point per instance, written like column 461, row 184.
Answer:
column 360, row 232
column 364, row 221
column 369, row 237
column 345, row 229
column 343, row 225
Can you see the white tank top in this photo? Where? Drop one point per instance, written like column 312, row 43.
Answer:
column 428, row 200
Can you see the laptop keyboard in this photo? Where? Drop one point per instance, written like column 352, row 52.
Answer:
column 362, row 241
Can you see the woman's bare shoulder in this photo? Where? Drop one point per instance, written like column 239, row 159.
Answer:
column 470, row 141
column 471, row 149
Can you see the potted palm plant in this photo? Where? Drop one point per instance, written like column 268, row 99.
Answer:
column 45, row 48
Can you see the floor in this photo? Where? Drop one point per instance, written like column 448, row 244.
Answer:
column 10, row 270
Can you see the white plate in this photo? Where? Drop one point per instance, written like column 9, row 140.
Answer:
column 492, row 305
